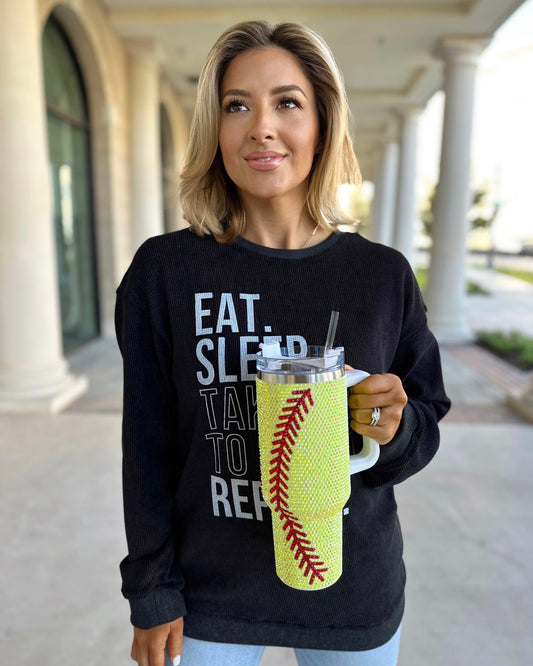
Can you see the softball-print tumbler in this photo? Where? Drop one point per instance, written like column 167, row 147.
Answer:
column 305, row 461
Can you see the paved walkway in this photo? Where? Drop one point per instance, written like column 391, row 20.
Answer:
column 466, row 521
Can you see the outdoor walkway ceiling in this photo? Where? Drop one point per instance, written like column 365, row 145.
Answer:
column 387, row 50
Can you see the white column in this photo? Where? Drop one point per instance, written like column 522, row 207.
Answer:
column 523, row 402
column 404, row 225
column 33, row 372
column 145, row 146
column 446, row 284
column 385, row 195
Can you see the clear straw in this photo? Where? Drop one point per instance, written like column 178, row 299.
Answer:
column 333, row 321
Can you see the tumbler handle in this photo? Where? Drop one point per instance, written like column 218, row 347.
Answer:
column 369, row 454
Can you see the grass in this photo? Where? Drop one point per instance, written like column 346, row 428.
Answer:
column 514, row 347
column 527, row 276
column 471, row 287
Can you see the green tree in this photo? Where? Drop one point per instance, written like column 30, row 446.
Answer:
column 481, row 214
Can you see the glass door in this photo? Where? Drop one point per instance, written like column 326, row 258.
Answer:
column 70, row 173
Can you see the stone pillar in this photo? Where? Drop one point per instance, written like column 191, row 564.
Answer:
column 33, row 372
column 445, row 293
column 145, row 145
column 404, row 224
column 385, row 195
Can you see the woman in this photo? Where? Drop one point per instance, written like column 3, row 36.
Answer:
column 264, row 260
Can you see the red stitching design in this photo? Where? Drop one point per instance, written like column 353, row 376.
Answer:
column 284, row 440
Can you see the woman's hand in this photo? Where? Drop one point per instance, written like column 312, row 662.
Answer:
column 383, row 391
column 148, row 647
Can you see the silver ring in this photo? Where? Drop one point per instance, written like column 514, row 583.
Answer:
column 375, row 416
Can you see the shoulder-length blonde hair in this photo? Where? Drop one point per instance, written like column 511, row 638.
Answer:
column 208, row 197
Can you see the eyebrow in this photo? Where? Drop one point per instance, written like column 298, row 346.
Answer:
column 238, row 92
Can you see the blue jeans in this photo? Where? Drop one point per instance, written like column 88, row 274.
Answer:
column 204, row 653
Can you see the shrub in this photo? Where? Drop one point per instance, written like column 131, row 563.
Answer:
column 514, row 347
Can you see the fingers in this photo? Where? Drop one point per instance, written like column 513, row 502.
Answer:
column 175, row 640
column 383, row 391
column 148, row 647
column 377, row 391
column 157, row 656
column 383, row 432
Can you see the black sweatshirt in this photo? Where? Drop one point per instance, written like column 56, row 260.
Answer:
column 190, row 315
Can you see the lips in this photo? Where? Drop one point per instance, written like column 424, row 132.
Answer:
column 264, row 161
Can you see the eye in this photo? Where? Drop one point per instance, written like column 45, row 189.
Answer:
column 289, row 103
column 235, row 105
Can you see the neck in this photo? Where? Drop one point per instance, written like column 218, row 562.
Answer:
column 282, row 229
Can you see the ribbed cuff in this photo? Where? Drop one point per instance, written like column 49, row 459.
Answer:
column 401, row 440
column 164, row 604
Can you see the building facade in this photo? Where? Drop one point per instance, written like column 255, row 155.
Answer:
column 93, row 125
column 92, row 136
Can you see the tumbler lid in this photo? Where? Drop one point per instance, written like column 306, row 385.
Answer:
column 275, row 365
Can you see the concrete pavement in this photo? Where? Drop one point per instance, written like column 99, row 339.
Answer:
column 466, row 521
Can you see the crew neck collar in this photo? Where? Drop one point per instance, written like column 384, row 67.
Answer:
column 289, row 254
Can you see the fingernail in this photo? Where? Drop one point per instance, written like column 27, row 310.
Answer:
column 177, row 660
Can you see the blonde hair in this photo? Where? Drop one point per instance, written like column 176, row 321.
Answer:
column 209, row 198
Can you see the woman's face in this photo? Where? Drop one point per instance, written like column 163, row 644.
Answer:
column 269, row 129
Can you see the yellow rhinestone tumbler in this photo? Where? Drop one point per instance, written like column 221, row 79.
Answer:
column 305, row 476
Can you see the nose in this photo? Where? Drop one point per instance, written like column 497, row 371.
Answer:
column 262, row 127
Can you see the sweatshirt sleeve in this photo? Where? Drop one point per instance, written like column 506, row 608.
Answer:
column 151, row 580
column 417, row 363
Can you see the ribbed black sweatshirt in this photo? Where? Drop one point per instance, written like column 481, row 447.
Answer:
column 190, row 315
